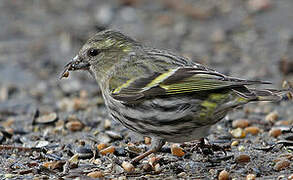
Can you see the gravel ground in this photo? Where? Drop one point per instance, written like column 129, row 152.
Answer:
column 51, row 128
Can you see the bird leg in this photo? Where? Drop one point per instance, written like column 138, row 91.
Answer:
column 157, row 144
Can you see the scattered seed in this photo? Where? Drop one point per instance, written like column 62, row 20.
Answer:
column 252, row 130
column 74, row 125
column 272, row 117
column 275, row 132
column 282, row 164
column 242, row 158
column 235, row 143
column 240, row 123
column 238, row 133
column 176, row 150
column 102, row 146
column 108, row 150
column 96, row 174
column 250, row 177
column 224, row 175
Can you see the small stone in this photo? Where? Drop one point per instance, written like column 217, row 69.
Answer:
column 182, row 174
column 84, row 152
column 96, row 174
column 107, row 124
column 147, row 167
column 238, row 133
column 275, row 132
column 242, row 158
column 224, row 175
column 147, row 140
column 241, row 148
column 153, row 161
column 235, row 143
column 114, row 135
column 272, row 117
column 259, row 5
column 134, row 149
column 128, row 167
column 40, row 144
column 80, row 104
column 282, row 164
column 252, row 130
column 250, row 177
column 46, row 119
column 176, row 150
column 108, row 150
column 158, row 168
column 74, row 125
column 74, row 159
column 102, row 146
column 97, row 161
column 240, row 123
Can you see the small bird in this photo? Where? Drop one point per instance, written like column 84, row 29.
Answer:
column 159, row 94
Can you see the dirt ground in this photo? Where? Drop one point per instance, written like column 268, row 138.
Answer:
column 52, row 128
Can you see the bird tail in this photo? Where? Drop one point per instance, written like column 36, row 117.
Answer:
column 266, row 94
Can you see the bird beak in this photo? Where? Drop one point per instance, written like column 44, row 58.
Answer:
column 75, row 64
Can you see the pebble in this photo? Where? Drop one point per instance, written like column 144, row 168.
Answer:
column 250, row 177
column 128, row 167
column 224, row 175
column 252, row 130
column 80, row 104
column 238, row 133
column 40, row 144
column 114, row 135
column 176, row 150
column 158, row 168
column 235, row 143
column 46, row 119
column 74, row 125
column 104, row 138
column 147, row 140
column 153, row 161
column 107, row 124
column 84, row 152
column 96, row 174
column 74, row 159
column 259, row 5
column 275, row 132
column 272, row 117
column 282, row 164
column 241, row 148
column 240, row 123
column 147, row 167
column 108, row 150
column 134, row 149
column 242, row 158
column 182, row 174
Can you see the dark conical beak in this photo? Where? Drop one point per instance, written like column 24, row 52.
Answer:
column 73, row 65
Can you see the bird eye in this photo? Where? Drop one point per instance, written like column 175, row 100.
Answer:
column 93, row 52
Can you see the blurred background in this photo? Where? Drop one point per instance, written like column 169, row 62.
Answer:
column 250, row 39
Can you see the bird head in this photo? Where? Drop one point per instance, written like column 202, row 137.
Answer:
column 100, row 53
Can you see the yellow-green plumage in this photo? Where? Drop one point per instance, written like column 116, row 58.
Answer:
column 160, row 94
